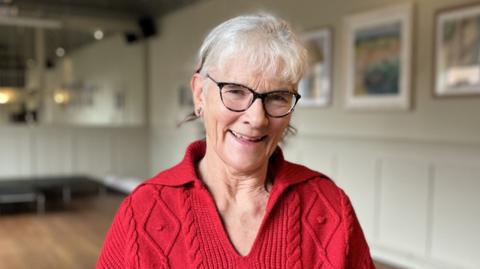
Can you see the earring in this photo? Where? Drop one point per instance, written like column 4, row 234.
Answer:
column 199, row 112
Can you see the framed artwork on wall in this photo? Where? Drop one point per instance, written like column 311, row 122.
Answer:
column 378, row 47
column 316, row 86
column 457, row 51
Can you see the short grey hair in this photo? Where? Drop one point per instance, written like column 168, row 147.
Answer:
column 266, row 43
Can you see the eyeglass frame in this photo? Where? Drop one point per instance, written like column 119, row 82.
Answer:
column 256, row 95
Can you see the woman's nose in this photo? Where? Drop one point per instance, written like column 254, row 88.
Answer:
column 256, row 114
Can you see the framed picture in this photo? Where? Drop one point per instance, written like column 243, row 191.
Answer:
column 316, row 86
column 457, row 51
column 378, row 58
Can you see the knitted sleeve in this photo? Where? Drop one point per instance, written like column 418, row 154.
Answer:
column 117, row 246
column 357, row 252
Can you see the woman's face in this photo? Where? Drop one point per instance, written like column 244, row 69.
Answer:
column 243, row 141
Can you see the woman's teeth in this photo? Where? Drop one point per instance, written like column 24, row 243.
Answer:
column 248, row 138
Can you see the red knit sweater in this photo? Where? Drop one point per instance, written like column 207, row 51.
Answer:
column 171, row 221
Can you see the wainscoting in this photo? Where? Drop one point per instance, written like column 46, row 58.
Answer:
column 417, row 201
column 31, row 151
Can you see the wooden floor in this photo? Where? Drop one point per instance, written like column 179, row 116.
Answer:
column 62, row 238
column 66, row 238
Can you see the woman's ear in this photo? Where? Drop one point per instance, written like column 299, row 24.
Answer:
column 197, row 86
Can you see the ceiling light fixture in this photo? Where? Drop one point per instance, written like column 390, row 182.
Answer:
column 5, row 95
column 61, row 97
column 60, row 52
column 4, row 98
column 98, row 34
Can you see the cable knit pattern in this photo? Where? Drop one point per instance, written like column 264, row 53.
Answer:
column 348, row 215
column 308, row 223
column 293, row 235
column 162, row 260
column 191, row 232
column 132, row 234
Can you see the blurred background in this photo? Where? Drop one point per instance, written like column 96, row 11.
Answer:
column 91, row 93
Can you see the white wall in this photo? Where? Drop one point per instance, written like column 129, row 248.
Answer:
column 412, row 175
column 28, row 151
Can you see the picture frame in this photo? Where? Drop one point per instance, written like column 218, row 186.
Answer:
column 457, row 51
column 378, row 51
column 316, row 85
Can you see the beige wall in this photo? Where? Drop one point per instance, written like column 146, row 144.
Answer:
column 412, row 175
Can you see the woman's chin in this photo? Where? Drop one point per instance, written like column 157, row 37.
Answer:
column 243, row 156
column 245, row 168
column 242, row 162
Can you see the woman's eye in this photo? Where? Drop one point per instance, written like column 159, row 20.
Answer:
column 235, row 90
column 280, row 97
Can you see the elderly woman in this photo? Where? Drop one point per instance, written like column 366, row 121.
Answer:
column 233, row 201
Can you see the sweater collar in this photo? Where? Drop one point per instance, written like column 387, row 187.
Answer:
column 184, row 173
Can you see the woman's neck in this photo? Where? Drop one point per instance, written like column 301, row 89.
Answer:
column 230, row 187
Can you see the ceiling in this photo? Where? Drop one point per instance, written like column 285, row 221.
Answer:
column 120, row 9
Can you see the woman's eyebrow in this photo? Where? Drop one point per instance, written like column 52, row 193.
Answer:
column 273, row 89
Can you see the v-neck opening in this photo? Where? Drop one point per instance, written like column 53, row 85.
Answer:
column 224, row 236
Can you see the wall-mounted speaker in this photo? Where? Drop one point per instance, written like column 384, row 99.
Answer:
column 130, row 37
column 147, row 25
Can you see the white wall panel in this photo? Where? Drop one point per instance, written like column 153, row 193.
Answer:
column 130, row 153
column 404, row 204
column 57, row 151
column 171, row 146
column 92, row 152
column 52, row 151
column 15, row 158
column 456, row 214
column 356, row 175
column 317, row 155
column 291, row 152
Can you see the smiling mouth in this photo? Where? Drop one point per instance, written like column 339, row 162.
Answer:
column 248, row 138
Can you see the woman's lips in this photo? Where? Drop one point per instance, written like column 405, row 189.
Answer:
column 254, row 139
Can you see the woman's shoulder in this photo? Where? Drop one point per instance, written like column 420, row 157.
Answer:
column 150, row 190
column 324, row 188
column 318, row 186
column 308, row 178
column 148, row 197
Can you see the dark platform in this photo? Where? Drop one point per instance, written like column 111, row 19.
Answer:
column 42, row 189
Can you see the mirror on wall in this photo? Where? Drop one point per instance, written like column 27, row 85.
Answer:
column 52, row 75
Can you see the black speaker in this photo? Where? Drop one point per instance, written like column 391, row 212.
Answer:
column 131, row 37
column 147, row 25
column 49, row 63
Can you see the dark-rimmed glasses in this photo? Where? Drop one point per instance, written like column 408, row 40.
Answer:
column 238, row 98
